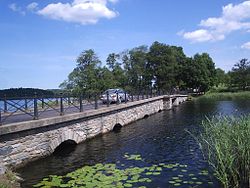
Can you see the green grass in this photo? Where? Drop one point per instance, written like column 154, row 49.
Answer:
column 243, row 95
column 226, row 145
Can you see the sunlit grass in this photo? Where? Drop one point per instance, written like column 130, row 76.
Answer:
column 244, row 95
column 226, row 145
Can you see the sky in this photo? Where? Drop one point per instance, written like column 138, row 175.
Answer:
column 41, row 39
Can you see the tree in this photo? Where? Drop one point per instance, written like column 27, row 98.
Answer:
column 116, row 69
column 84, row 78
column 221, row 77
column 136, row 68
column 240, row 74
column 165, row 64
column 199, row 72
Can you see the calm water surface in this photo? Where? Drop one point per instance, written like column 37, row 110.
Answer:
column 161, row 138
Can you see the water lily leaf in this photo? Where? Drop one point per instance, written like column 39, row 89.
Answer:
column 175, row 178
column 177, row 184
column 128, row 185
column 178, row 180
column 198, row 183
column 172, row 182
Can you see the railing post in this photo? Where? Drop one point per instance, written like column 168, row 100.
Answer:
column 35, row 108
column 151, row 93
column 117, row 98
column 42, row 103
column 138, row 96
column 142, row 95
column 57, row 103
column 0, row 117
column 132, row 97
column 69, row 102
column 80, row 102
column 96, row 102
column 107, row 98
column 5, row 104
column 147, row 93
column 25, row 103
column 61, row 106
column 126, row 97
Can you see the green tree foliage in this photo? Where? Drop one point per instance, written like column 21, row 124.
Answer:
column 84, row 79
column 221, row 77
column 160, row 67
column 166, row 64
column 199, row 72
column 240, row 74
column 118, row 74
column 206, row 70
column 136, row 68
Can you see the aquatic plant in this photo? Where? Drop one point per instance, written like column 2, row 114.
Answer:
column 225, row 144
column 117, row 175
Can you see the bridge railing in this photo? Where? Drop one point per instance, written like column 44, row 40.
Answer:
column 13, row 110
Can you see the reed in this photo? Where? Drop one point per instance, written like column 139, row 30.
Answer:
column 225, row 142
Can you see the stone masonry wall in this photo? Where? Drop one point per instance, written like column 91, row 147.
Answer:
column 32, row 146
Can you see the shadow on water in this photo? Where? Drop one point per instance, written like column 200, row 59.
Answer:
column 160, row 138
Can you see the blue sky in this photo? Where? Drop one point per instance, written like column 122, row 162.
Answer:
column 40, row 40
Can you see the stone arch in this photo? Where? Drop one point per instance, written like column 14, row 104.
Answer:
column 65, row 147
column 117, row 127
column 64, row 136
column 145, row 116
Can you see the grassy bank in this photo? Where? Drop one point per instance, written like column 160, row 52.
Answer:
column 243, row 95
column 225, row 144
column 9, row 180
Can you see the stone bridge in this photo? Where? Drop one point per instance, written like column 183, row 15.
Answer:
column 27, row 141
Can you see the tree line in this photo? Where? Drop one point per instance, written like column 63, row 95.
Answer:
column 158, row 67
column 237, row 79
column 24, row 92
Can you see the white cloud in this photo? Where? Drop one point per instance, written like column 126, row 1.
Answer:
column 202, row 35
column 79, row 11
column 15, row 8
column 233, row 18
column 246, row 46
column 32, row 6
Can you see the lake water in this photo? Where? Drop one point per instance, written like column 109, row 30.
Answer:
column 161, row 138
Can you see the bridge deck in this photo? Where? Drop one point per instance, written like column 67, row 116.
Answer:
column 21, row 122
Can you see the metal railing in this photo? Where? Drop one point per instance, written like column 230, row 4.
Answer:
column 14, row 110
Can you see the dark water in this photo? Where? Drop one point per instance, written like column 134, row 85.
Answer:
column 161, row 138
